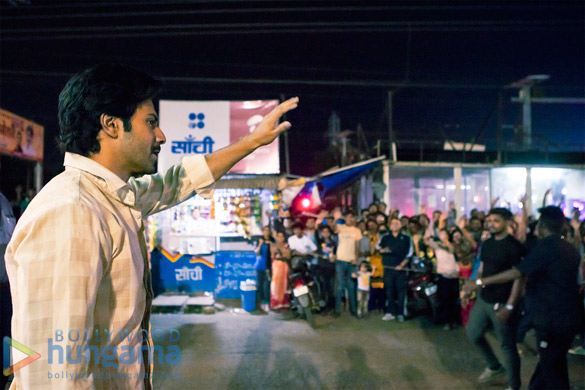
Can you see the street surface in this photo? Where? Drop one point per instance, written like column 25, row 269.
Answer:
column 234, row 349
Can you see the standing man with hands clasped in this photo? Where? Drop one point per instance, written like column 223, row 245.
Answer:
column 77, row 261
column 552, row 297
column 496, row 305
column 345, row 262
column 396, row 248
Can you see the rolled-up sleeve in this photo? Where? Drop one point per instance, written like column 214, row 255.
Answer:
column 155, row 193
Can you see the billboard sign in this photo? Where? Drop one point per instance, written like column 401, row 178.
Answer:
column 201, row 127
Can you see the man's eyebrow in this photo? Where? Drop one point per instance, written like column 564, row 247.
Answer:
column 152, row 115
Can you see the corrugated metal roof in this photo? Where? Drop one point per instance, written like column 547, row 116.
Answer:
column 269, row 182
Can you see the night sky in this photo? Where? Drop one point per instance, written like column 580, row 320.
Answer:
column 446, row 61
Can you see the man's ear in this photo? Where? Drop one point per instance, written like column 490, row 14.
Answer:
column 111, row 125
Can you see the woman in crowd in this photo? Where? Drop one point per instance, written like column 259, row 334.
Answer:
column 263, row 266
column 464, row 248
column 448, row 283
column 280, row 253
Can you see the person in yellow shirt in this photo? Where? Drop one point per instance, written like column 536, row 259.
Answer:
column 347, row 254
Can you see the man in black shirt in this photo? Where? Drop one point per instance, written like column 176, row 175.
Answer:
column 552, row 297
column 495, row 304
column 395, row 249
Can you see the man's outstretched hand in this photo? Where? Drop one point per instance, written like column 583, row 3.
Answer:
column 222, row 160
column 267, row 130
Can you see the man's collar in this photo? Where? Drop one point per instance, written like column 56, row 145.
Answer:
column 110, row 180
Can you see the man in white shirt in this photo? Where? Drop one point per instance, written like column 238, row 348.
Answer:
column 301, row 244
column 77, row 261
column 349, row 237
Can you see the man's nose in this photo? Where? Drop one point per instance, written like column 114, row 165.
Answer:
column 160, row 136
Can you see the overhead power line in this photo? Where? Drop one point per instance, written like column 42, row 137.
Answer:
column 285, row 5
column 268, row 28
column 270, row 10
column 384, row 84
column 278, row 25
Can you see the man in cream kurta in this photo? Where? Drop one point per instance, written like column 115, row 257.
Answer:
column 77, row 264
column 77, row 261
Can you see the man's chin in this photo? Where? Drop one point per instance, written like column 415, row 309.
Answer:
column 145, row 171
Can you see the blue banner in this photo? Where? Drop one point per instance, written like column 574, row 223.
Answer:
column 329, row 182
column 181, row 273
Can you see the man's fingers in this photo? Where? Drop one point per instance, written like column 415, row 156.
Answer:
column 289, row 104
column 284, row 126
column 284, row 107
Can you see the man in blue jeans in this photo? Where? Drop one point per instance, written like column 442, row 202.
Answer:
column 496, row 304
column 349, row 237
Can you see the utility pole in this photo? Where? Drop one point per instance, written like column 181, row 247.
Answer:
column 286, row 152
column 525, row 97
column 500, row 128
column 390, row 128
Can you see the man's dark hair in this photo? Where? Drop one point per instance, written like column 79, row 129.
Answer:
column 414, row 220
column 110, row 89
column 373, row 220
column 552, row 218
column 474, row 219
column 326, row 227
column 502, row 212
column 297, row 225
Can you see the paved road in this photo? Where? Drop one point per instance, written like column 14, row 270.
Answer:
column 237, row 350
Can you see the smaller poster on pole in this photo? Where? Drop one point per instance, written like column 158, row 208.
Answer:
column 21, row 137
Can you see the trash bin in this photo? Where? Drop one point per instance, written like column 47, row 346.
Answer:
column 248, row 288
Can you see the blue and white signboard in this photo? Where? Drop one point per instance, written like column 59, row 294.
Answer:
column 192, row 127
column 231, row 268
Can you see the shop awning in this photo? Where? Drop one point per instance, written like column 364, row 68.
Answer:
column 268, row 182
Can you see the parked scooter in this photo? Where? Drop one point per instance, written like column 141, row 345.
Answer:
column 306, row 289
column 421, row 295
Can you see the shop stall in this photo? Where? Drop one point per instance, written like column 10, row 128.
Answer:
column 205, row 244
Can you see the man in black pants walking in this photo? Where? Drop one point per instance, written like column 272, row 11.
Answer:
column 495, row 305
column 552, row 296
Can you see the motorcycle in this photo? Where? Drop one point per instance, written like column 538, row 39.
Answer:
column 305, row 288
column 421, row 295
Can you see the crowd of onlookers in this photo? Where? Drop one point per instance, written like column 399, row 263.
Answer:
column 365, row 260
column 334, row 234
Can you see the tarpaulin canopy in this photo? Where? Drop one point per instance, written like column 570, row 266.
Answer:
column 331, row 181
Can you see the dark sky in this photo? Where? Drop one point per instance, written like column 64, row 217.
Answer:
column 447, row 61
